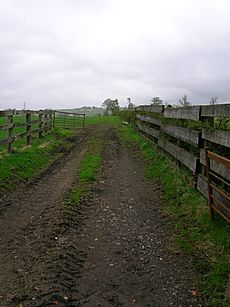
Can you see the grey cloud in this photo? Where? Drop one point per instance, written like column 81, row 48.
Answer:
column 71, row 53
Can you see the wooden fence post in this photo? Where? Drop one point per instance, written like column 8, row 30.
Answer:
column 50, row 121
column 45, row 122
column 84, row 122
column 40, row 124
column 135, row 115
column 28, row 127
column 10, row 121
column 54, row 114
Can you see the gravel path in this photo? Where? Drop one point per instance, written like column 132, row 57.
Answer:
column 114, row 249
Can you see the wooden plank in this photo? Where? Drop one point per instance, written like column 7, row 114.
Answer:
column 151, row 108
column 36, row 121
column 6, row 127
column 217, row 110
column 40, row 125
column 10, row 121
column 218, row 168
column 217, row 136
column 149, row 119
column 202, row 185
column 19, row 125
column 151, row 131
column 37, row 130
column 19, row 112
column 184, row 134
column 182, row 155
column 20, row 135
column 24, row 112
column 192, row 113
column 6, row 113
column 36, row 112
column 28, row 128
column 73, row 113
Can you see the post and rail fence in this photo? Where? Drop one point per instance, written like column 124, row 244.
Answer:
column 29, row 124
column 197, row 137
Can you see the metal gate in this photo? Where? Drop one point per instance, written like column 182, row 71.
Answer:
column 218, row 184
column 68, row 120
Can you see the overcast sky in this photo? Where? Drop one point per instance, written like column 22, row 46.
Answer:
column 70, row 53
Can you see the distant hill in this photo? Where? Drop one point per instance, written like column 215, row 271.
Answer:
column 88, row 111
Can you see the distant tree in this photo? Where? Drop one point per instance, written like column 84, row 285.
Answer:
column 111, row 106
column 183, row 102
column 156, row 101
column 131, row 106
column 213, row 100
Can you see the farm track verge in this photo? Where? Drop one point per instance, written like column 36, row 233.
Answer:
column 112, row 249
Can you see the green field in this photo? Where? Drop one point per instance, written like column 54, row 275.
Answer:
column 115, row 120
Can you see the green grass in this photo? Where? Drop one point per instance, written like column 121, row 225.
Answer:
column 114, row 120
column 206, row 242
column 28, row 161
column 92, row 161
column 89, row 166
column 88, row 171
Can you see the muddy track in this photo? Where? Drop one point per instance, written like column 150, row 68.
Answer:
column 114, row 249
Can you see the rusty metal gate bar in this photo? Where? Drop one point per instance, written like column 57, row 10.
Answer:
column 215, row 204
column 68, row 120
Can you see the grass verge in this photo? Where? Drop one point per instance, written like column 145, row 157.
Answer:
column 89, row 167
column 207, row 243
column 29, row 161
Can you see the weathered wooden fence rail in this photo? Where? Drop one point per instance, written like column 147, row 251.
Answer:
column 24, row 124
column 27, row 124
column 185, row 133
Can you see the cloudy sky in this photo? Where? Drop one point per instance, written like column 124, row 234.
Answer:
column 70, row 53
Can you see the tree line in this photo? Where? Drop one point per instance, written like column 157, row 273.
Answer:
column 112, row 106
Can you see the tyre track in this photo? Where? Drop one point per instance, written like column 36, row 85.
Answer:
column 113, row 249
column 29, row 228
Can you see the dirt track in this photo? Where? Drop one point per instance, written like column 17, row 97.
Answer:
column 113, row 250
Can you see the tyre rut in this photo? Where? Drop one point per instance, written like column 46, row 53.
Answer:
column 113, row 249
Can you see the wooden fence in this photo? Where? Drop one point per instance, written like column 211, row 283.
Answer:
column 24, row 124
column 185, row 133
column 27, row 124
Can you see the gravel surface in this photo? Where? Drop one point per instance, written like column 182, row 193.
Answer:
column 114, row 249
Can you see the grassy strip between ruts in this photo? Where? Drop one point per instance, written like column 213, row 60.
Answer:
column 89, row 167
column 208, row 243
column 28, row 161
column 92, row 161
